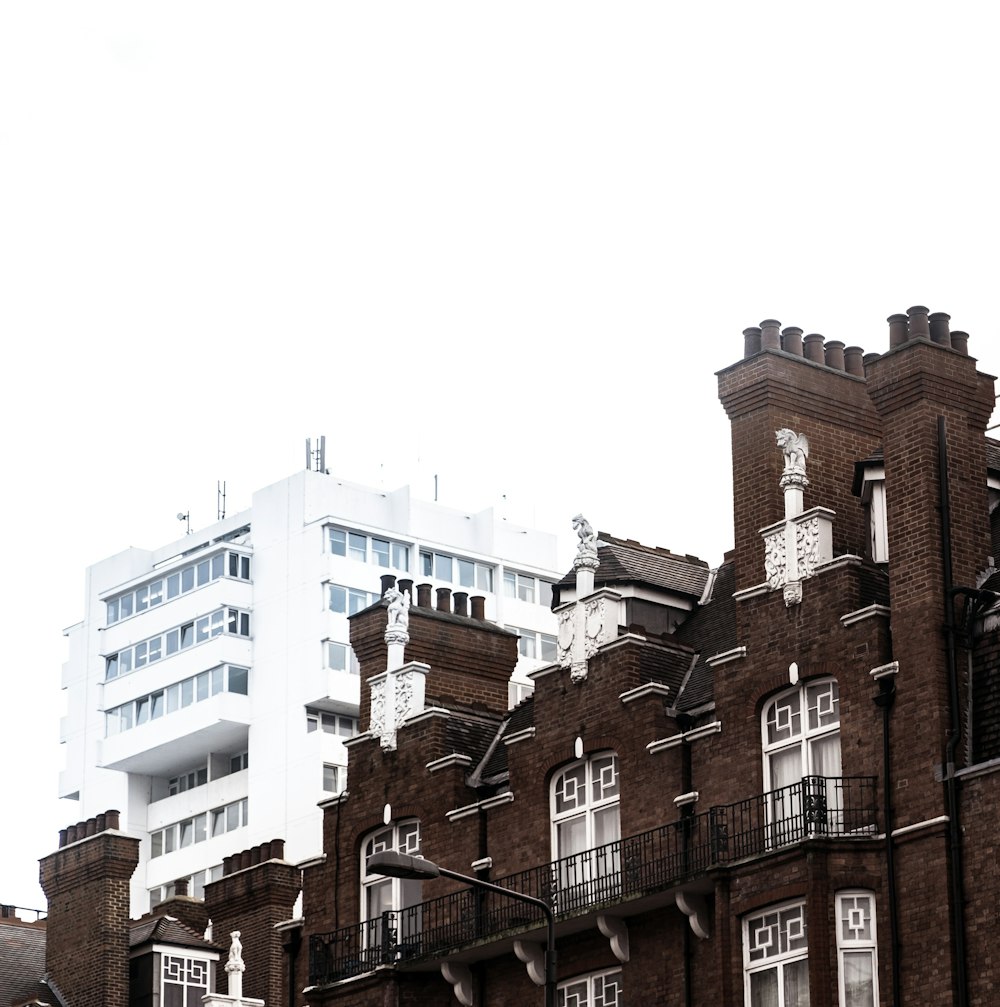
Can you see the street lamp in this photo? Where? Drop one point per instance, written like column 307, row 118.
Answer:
column 401, row 865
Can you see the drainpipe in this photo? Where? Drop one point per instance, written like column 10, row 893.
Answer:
column 951, row 781
column 685, row 722
column 884, row 700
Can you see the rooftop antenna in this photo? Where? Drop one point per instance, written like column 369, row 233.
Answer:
column 185, row 517
column 316, row 459
column 220, row 499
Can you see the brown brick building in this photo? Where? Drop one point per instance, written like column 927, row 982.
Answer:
column 772, row 783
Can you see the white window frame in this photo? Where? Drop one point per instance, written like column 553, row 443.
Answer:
column 180, row 969
column 585, row 876
column 855, row 916
column 785, row 727
column 596, row 987
column 873, row 497
column 403, row 836
column 786, row 923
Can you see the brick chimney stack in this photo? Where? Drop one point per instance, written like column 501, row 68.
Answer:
column 789, row 381
column 86, row 883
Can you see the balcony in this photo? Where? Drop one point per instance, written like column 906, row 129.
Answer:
column 630, row 874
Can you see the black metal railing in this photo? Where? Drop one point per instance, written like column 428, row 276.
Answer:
column 842, row 807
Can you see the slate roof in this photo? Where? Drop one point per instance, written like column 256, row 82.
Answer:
column 710, row 631
column 166, row 930
column 627, row 561
column 22, row 964
column 471, row 735
column 992, row 454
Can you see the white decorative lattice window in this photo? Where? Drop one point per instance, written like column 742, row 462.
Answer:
column 857, row 953
column 183, row 980
column 801, row 737
column 600, row 989
column 776, row 957
column 390, row 900
column 586, row 828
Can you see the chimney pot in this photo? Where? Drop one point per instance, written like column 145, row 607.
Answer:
column 227, row 865
column 813, row 347
column 444, row 599
column 406, row 586
column 854, row 361
column 423, row 595
column 62, row 837
column 751, row 341
column 181, row 886
column 265, row 852
column 791, row 340
column 960, row 342
column 111, row 819
column 478, row 607
column 277, row 849
column 462, row 603
column 835, row 354
column 70, row 834
column 388, row 580
column 939, row 328
column 919, row 324
column 770, row 334
column 102, row 822
column 870, row 358
column 254, row 856
column 897, row 330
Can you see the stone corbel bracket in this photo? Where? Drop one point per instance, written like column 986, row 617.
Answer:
column 533, row 956
column 461, row 981
column 617, row 933
column 695, row 908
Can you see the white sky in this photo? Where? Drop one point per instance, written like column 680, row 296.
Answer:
column 505, row 243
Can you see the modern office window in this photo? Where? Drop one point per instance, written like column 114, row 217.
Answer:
column 187, row 781
column 334, row 778
column 534, row 645
column 340, row 657
column 857, row 949
column 196, row 829
column 801, row 737
column 776, row 957
column 224, row 620
column 331, row 723
column 237, row 763
column 381, row 894
column 599, row 989
column 457, row 570
column 526, row 587
column 585, row 828
column 224, row 678
column 348, row 600
column 372, row 549
column 196, row 887
column 176, row 583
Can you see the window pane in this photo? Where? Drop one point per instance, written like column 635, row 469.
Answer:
column 442, row 567
column 466, row 573
column 357, row 600
column 244, row 623
column 764, row 988
column 140, row 655
column 142, row 710
column 124, row 662
column 156, row 845
column 238, row 680
column 427, row 564
column 357, row 546
column 484, row 578
column 187, row 692
column 797, row 983
column 509, row 584
column 525, row 587
column 112, row 611
column 217, row 620
column 549, row 650
column 234, row 564
column 232, row 817
column 338, row 542
column 155, row 593
column 203, row 572
column 187, row 578
column 154, row 649
column 157, row 705
column 401, row 557
column 380, row 552
column 187, row 833
column 201, row 687
column 173, row 585
column 545, row 593
column 217, row 680
column 125, row 605
column 187, row 635
column 859, row 988
column 173, row 641
column 142, row 599
column 245, row 567
column 337, row 599
column 201, row 629
column 336, row 656
column 173, row 698
column 218, row 565
column 200, row 825
column 111, row 666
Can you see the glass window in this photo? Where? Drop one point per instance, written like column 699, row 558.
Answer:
column 401, row 557
column 217, row 675
column 549, row 647
column 244, row 567
column 184, row 981
column 442, row 567
column 111, row 666
column 127, row 714
column 201, row 686
column 545, row 593
column 801, row 738
column 602, row 989
column 173, row 641
column 238, row 680
column 203, row 572
column 427, row 564
column 525, row 642
column 142, row 599
column 336, row 656
column 357, row 546
column 466, row 573
column 187, row 635
column 776, row 958
column 484, row 578
column 857, row 954
column 234, row 564
column 332, row 779
column 218, row 565
column 217, row 621
column 156, row 845
column 125, row 605
column 338, row 542
column 124, row 662
column 140, row 654
column 142, row 710
column 381, row 894
column 154, row 649
column 347, row 727
column 155, row 593
column 173, row 698
column 173, row 585
column 156, row 705
column 187, row 692
column 586, row 828
column 187, row 579
column 509, row 584
column 112, row 611
column 244, row 623
column 380, row 552
column 337, row 598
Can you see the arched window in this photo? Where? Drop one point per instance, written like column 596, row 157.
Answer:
column 389, row 901
column 586, row 827
column 801, row 738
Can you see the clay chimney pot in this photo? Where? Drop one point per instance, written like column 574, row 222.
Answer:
column 813, row 348
column 444, row 599
column 791, row 340
column 770, row 334
column 854, row 361
column 751, row 341
column 897, row 330
column 960, row 342
column 919, row 324
column 939, row 328
column 424, row 595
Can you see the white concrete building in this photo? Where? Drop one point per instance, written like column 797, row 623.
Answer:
column 210, row 683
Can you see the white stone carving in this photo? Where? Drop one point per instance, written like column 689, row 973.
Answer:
column 594, row 623
column 794, row 549
column 235, row 967
column 793, row 593
column 695, row 908
column 774, row 559
column 376, row 722
column 396, row 695
column 567, row 630
column 586, row 550
column 807, row 546
column 398, row 624
column 795, row 448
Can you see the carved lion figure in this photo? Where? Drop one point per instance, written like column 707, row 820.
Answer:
column 795, row 448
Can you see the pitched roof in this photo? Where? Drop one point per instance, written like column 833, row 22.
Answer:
column 166, row 930
column 22, row 964
column 627, row 561
column 992, row 454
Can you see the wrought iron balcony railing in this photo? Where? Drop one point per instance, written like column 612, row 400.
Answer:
column 625, row 869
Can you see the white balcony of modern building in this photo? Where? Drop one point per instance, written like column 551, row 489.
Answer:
column 171, row 743
column 198, row 800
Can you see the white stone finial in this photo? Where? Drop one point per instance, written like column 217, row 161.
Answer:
column 796, row 450
column 235, row 967
column 399, row 610
column 586, row 550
